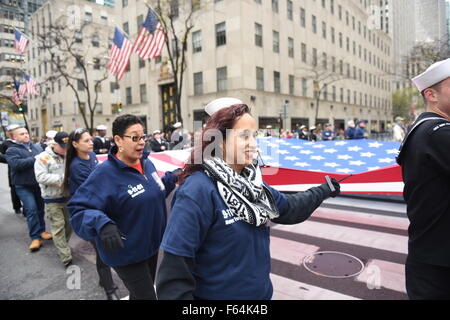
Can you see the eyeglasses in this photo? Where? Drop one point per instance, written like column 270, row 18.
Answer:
column 137, row 138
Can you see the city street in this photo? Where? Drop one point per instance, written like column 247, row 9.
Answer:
column 378, row 239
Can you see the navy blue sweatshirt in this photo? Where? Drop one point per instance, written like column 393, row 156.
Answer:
column 21, row 159
column 80, row 170
column 117, row 193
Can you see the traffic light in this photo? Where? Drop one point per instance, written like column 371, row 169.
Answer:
column 21, row 107
column 119, row 107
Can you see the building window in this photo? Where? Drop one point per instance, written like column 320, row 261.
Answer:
column 323, row 4
column 143, row 93
column 197, row 41
column 304, row 53
column 126, row 28
column 314, row 24
column 259, row 78
column 314, row 62
column 80, row 85
column 289, row 10
column 334, row 93
column 99, row 108
column 198, row 83
column 124, row 3
column 222, row 79
column 332, row 6
column 88, row 16
column 276, row 41
column 174, row 8
column 129, row 98
column 104, row 19
column 304, row 87
column 333, row 36
column 139, row 21
column 258, row 35
column 275, row 6
column 61, row 111
column 291, row 84
column 276, row 82
column 95, row 41
column 141, row 63
column 291, row 47
column 221, row 36
column 302, row 18
column 324, row 61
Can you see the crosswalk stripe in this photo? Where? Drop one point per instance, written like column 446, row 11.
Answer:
column 288, row 289
column 384, row 274
column 367, row 238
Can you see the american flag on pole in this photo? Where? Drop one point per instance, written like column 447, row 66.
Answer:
column 151, row 38
column 18, row 92
column 20, row 41
column 119, row 55
column 30, row 85
column 293, row 165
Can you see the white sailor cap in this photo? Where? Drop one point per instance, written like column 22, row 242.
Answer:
column 12, row 127
column 221, row 103
column 101, row 127
column 434, row 74
column 177, row 125
column 156, row 132
column 51, row 134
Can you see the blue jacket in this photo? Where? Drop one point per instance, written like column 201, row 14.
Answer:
column 119, row 194
column 359, row 133
column 350, row 133
column 21, row 159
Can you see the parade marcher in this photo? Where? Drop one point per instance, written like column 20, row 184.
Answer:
column 399, row 130
column 17, row 206
column 158, row 144
column 268, row 131
column 425, row 160
column 49, row 171
column 49, row 136
column 21, row 157
column 121, row 206
column 312, row 136
column 304, row 135
column 102, row 144
column 328, row 133
column 216, row 245
column 350, row 132
column 180, row 138
column 360, row 132
column 80, row 162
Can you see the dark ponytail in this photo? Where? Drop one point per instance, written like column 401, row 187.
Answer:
column 71, row 153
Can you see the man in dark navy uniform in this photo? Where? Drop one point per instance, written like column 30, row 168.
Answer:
column 425, row 160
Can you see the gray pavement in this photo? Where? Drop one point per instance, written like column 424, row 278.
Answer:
column 41, row 275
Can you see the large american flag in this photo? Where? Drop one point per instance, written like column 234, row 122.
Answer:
column 119, row 55
column 151, row 38
column 20, row 41
column 30, row 85
column 294, row 165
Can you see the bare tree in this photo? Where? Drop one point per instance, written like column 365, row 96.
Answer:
column 70, row 60
column 178, row 20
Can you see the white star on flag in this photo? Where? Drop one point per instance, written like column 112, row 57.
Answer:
column 306, row 152
column 331, row 164
column 282, row 151
column 266, row 157
column 302, row 164
column 344, row 157
column 317, row 158
column 297, row 147
column 356, row 163
column 386, row 160
column 319, row 146
column 392, row 151
column 372, row 168
column 274, row 164
column 291, row 158
column 375, row 144
column 330, row 150
column 273, row 145
column 355, row 148
column 367, row 154
column 340, row 143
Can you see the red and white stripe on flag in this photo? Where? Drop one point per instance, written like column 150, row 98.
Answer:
column 149, row 45
column 119, row 55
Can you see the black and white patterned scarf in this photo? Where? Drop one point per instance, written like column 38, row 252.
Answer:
column 245, row 194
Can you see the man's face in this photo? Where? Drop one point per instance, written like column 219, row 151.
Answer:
column 21, row 135
column 102, row 133
column 443, row 96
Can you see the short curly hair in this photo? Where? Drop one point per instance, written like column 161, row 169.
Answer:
column 122, row 123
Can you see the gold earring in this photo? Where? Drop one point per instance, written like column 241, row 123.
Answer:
column 120, row 149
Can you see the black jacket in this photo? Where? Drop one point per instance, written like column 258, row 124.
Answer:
column 425, row 162
column 21, row 161
column 156, row 146
column 99, row 144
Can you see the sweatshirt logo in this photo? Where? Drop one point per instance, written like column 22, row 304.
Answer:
column 135, row 191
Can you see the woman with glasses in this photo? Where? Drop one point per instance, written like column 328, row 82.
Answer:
column 121, row 206
column 80, row 162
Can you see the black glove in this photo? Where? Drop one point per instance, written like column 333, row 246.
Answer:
column 110, row 238
column 327, row 188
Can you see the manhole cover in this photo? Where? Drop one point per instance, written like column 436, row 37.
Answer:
column 333, row 264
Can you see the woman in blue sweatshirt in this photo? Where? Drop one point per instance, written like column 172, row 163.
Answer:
column 216, row 245
column 121, row 206
column 80, row 162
